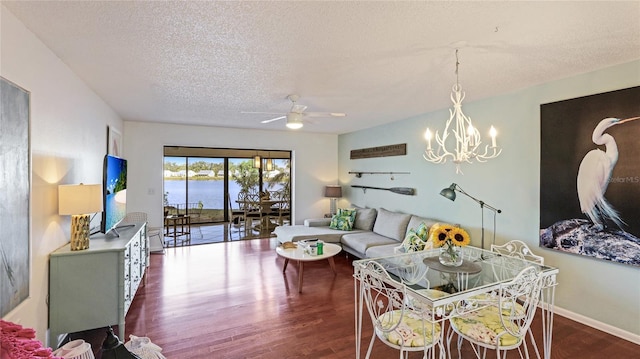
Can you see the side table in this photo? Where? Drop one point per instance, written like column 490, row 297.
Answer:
column 299, row 254
column 178, row 226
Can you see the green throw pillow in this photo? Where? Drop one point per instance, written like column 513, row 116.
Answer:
column 350, row 212
column 416, row 239
column 343, row 223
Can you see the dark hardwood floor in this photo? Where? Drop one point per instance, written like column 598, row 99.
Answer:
column 231, row 300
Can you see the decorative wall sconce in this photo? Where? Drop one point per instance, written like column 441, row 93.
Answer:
column 465, row 145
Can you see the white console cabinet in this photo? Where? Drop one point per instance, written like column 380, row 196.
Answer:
column 94, row 288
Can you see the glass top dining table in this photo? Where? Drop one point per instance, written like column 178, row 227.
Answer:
column 448, row 291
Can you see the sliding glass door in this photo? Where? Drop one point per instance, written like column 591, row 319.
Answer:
column 207, row 187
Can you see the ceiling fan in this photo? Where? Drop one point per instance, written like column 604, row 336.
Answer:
column 295, row 115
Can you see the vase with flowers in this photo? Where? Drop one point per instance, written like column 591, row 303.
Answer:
column 450, row 239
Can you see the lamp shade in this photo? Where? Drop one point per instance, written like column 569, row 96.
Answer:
column 333, row 191
column 79, row 199
column 294, row 120
column 113, row 348
column 449, row 192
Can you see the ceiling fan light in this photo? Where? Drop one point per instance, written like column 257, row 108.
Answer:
column 294, row 120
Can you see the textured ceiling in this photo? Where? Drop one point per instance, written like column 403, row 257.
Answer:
column 204, row 63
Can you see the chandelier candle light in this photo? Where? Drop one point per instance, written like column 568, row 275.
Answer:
column 467, row 137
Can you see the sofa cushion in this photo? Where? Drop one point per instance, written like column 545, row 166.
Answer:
column 343, row 223
column 347, row 212
column 384, row 250
column 360, row 242
column 391, row 224
column 298, row 232
column 365, row 218
column 317, row 222
column 415, row 221
column 416, row 239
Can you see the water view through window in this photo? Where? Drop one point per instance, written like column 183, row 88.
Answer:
column 203, row 189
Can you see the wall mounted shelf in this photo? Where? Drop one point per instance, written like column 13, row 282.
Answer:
column 360, row 173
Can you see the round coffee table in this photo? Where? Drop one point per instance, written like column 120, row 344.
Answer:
column 299, row 254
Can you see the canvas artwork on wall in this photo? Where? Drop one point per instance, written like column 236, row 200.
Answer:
column 14, row 196
column 590, row 176
column 114, row 142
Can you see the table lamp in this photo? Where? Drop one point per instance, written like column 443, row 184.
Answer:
column 333, row 192
column 78, row 201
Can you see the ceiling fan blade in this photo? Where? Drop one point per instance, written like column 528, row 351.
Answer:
column 274, row 119
column 298, row 108
column 325, row 114
column 262, row 113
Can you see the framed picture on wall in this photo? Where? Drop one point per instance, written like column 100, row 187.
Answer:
column 14, row 197
column 590, row 176
column 114, row 142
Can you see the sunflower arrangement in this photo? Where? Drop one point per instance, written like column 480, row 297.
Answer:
column 449, row 236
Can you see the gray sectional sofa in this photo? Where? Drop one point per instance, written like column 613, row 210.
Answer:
column 376, row 232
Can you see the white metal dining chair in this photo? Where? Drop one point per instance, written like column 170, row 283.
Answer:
column 505, row 329
column 396, row 322
column 519, row 249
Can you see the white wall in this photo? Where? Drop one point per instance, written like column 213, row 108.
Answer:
column 315, row 158
column 68, row 142
column 598, row 290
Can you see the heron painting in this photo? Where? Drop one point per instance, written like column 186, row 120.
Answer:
column 590, row 176
column 594, row 175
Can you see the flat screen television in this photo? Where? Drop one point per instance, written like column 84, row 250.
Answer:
column 114, row 189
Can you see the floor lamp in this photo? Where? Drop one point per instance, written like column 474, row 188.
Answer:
column 450, row 193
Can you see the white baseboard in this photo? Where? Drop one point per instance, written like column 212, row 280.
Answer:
column 623, row 334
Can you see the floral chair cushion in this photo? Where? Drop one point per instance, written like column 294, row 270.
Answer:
column 432, row 294
column 492, row 299
column 485, row 326
column 412, row 331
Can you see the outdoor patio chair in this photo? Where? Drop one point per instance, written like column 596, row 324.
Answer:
column 236, row 216
column 252, row 210
column 283, row 209
column 154, row 233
